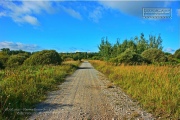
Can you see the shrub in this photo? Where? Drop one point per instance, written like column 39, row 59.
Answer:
column 95, row 58
column 3, row 59
column 68, row 59
column 65, row 57
column 44, row 57
column 177, row 54
column 172, row 59
column 1, row 65
column 16, row 60
column 128, row 57
column 76, row 56
column 154, row 55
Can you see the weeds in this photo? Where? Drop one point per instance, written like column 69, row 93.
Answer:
column 157, row 88
column 23, row 87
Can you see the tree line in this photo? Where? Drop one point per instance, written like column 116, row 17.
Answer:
column 137, row 50
column 14, row 58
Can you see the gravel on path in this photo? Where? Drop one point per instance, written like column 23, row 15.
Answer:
column 88, row 95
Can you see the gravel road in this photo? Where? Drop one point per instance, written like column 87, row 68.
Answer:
column 88, row 95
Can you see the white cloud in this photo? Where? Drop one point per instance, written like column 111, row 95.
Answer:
column 26, row 19
column 72, row 12
column 18, row 46
column 131, row 7
column 25, row 11
column 36, row 7
column 96, row 14
column 178, row 12
column 170, row 50
column 2, row 14
column 30, row 19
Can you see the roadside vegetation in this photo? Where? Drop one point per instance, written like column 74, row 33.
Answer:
column 155, row 88
column 25, row 80
column 145, row 72
column 137, row 50
column 138, row 65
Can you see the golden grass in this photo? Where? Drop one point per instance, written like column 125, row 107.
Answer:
column 157, row 88
column 71, row 62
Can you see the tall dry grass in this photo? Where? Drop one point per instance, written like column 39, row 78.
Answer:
column 156, row 88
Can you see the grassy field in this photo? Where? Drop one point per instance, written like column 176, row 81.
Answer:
column 22, row 87
column 156, row 88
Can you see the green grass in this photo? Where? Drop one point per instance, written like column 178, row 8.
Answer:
column 156, row 88
column 23, row 87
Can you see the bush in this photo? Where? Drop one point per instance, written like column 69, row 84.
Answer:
column 154, row 55
column 16, row 60
column 68, row 59
column 45, row 57
column 95, row 58
column 3, row 60
column 172, row 59
column 65, row 57
column 1, row 65
column 128, row 57
column 177, row 54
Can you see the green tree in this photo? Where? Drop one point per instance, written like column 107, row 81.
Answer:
column 142, row 44
column 155, row 43
column 172, row 59
column 128, row 57
column 78, row 56
column 115, row 49
column 154, row 55
column 124, row 46
column 6, row 51
column 132, row 45
column 118, row 48
column 93, row 55
column 177, row 54
column 105, row 49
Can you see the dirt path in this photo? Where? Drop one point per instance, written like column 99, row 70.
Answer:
column 85, row 95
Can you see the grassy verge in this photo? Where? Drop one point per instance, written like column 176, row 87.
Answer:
column 23, row 87
column 156, row 88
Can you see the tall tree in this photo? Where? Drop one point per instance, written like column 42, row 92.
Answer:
column 177, row 54
column 142, row 44
column 105, row 49
column 132, row 45
column 155, row 42
column 159, row 42
column 6, row 50
column 124, row 45
column 116, row 49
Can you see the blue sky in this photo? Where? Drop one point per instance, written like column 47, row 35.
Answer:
column 69, row 26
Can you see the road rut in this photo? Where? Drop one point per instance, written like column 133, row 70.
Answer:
column 86, row 95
